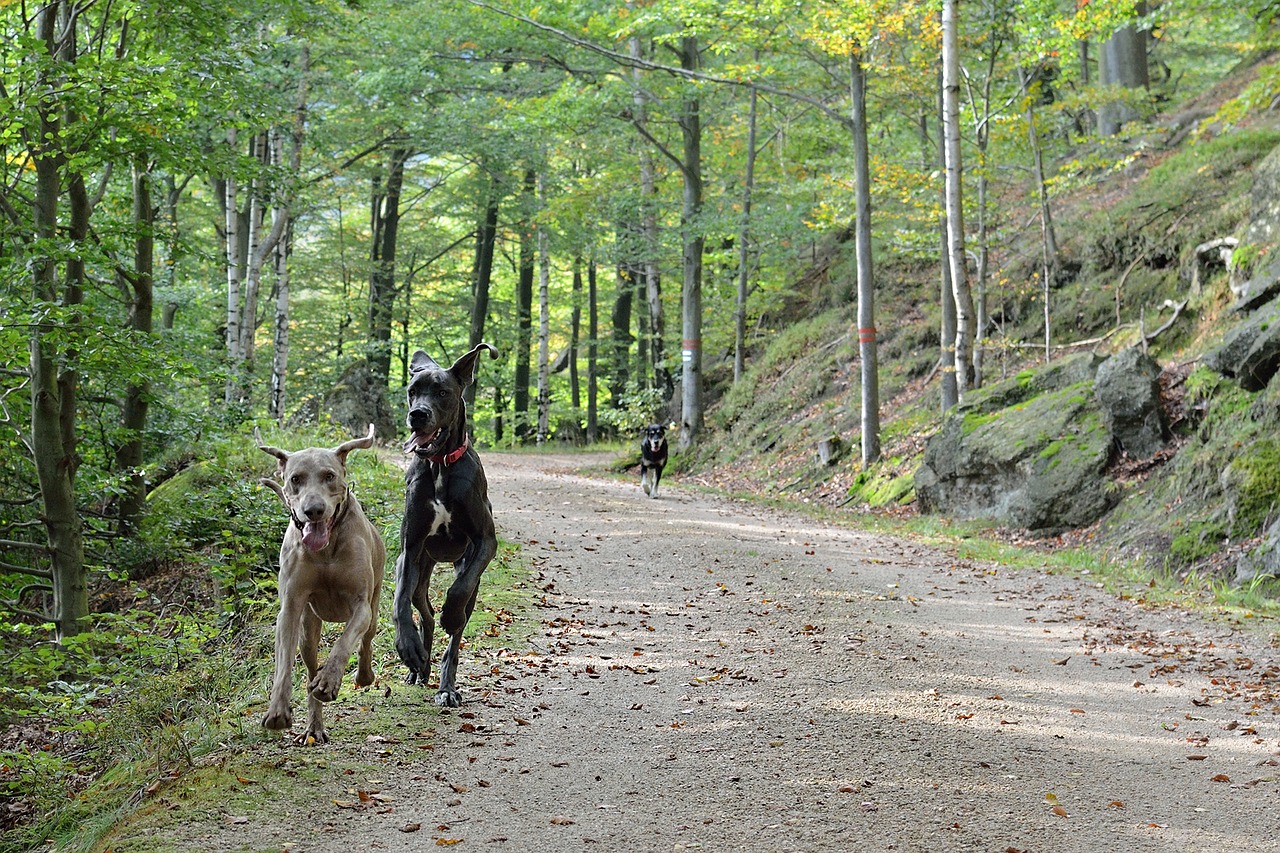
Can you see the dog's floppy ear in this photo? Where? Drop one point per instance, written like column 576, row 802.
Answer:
column 279, row 454
column 464, row 369
column 346, row 447
column 421, row 361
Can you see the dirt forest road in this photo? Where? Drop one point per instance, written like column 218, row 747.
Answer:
column 714, row 676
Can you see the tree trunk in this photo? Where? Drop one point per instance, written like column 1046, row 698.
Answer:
column 593, row 338
column 253, row 267
column 954, row 206
column 133, row 411
column 231, row 230
column 544, row 323
column 280, row 331
column 652, row 270
column 932, row 153
column 1123, row 63
column 482, row 272
column 621, row 337
column 524, row 319
column 52, row 444
column 1048, row 240
column 283, row 215
column 575, row 338
column 744, row 243
column 691, row 258
column 382, row 280
column 867, row 347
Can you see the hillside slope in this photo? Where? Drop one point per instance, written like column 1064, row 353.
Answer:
column 1129, row 243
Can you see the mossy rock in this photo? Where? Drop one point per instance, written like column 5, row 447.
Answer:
column 1251, row 484
column 1039, row 464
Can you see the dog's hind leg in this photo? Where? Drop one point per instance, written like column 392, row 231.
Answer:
column 310, row 647
column 364, row 659
column 448, row 696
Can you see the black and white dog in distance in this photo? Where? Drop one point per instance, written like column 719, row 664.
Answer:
column 653, row 457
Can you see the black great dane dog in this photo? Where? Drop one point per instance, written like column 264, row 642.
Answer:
column 447, row 518
column 653, row 457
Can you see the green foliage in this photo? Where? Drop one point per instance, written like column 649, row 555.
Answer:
column 638, row 407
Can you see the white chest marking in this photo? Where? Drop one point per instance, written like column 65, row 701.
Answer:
column 439, row 519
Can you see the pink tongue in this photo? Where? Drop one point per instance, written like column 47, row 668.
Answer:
column 414, row 441
column 315, row 535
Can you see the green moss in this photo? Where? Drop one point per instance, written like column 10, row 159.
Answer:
column 1254, row 476
column 1201, row 540
column 882, row 487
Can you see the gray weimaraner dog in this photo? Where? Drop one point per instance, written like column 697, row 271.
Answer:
column 447, row 518
column 331, row 564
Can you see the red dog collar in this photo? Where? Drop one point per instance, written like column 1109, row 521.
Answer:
column 452, row 456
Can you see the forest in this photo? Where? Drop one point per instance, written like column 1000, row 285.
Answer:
column 217, row 218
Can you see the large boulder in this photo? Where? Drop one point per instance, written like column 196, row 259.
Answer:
column 1128, row 390
column 1264, row 202
column 355, row 401
column 1038, row 464
column 1250, row 352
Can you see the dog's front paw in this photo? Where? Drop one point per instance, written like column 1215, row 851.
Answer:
column 278, row 720
column 449, row 697
column 324, row 687
column 453, row 617
column 411, row 651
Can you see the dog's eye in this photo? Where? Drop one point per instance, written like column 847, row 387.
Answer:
column 329, row 476
column 295, row 480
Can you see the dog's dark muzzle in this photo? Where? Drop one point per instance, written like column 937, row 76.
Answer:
column 421, row 419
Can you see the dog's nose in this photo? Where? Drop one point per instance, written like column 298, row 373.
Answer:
column 419, row 417
column 313, row 512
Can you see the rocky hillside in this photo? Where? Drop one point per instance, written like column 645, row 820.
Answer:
column 1153, row 426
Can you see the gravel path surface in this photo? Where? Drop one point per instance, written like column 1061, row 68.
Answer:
column 709, row 675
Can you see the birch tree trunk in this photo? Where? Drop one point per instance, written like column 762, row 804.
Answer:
column 544, row 323
column 955, row 204
column 744, row 242
column 231, row 229
column 867, row 348
column 932, row 153
column 593, row 353
column 575, row 337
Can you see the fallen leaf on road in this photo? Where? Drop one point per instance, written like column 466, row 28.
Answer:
column 1221, row 777
column 411, row 827
column 560, row 820
column 1060, row 811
